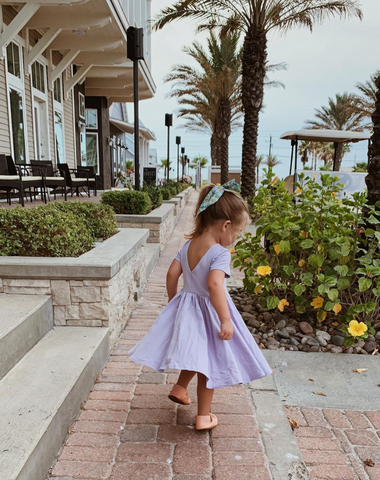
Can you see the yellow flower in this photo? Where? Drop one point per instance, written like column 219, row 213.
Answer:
column 258, row 289
column 263, row 271
column 274, row 181
column 320, row 248
column 317, row 302
column 282, row 304
column 314, row 176
column 277, row 249
column 339, row 201
column 337, row 308
column 298, row 190
column 232, row 250
column 357, row 329
column 301, row 263
column 333, row 194
column 247, row 260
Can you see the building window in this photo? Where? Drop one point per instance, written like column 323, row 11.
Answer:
column 92, row 118
column 13, row 59
column 82, row 106
column 57, row 91
column 17, row 122
column 59, row 145
column 38, row 76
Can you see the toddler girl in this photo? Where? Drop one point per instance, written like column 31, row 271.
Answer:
column 200, row 331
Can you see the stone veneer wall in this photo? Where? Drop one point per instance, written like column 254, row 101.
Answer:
column 89, row 302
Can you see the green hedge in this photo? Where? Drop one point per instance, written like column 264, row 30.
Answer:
column 55, row 230
column 99, row 219
column 128, row 201
column 155, row 194
column 166, row 195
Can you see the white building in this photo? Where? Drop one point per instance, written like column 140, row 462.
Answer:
column 63, row 64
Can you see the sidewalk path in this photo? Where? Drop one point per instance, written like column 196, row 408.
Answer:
column 129, row 430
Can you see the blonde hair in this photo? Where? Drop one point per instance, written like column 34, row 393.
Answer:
column 230, row 206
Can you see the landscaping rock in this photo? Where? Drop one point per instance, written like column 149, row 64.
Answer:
column 281, row 324
column 337, row 340
column 283, row 334
column 370, row 346
column 267, row 317
column 336, row 349
column 312, row 342
column 306, row 328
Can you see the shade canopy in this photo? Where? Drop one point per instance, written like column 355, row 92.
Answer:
column 334, row 136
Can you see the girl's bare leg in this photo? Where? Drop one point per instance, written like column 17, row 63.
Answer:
column 185, row 378
column 204, row 395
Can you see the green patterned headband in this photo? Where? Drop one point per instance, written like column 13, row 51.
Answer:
column 215, row 193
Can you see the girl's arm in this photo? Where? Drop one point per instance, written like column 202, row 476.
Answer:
column 218, row 298
column 172, row 277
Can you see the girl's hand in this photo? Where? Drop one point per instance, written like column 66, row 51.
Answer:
column 226, row 330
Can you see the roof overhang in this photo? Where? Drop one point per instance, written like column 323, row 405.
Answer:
column 91, row 34
column 333, row 136
column 129, row 128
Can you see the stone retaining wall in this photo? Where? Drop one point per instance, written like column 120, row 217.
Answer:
column 101, row 289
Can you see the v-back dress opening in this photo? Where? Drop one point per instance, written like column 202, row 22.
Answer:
column 185, row 335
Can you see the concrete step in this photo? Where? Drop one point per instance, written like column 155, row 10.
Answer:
column 24, row 320
column 41, row 396
column 152, row 257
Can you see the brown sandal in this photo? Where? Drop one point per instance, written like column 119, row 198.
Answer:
column 179, row 394
column 206, row 422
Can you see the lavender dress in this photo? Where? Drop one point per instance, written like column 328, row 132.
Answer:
column 185, row 335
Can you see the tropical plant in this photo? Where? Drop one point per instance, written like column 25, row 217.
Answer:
column 272, row 161
column 307, row 147
column 210, row 99
column 203, row 161
column 338, row 115
column 373, row 177
column 163, row 165
column 255, row 18
column 260, row 160
column 321, row 258
column 365, row 101
column 360, row 167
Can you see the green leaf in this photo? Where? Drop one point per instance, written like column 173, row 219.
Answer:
column 320, row 315
column 343, row 283
column 299, row 289
column 333, row 294
column 373, row 219
column 284, row 246
column 341, row 269
column 272, row 302
column 307, row 243
column 370, row 307
column 316, row 260
column 307, row 279
column 288, row 269
column 329, row 306
column 322, row 289
column 236, row 263
column 345, row 250
column 364, row 284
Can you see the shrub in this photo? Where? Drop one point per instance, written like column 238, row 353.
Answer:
column 99, row 219
column 166, row 195
column 321, row 254
column 43, row 231
column 128, row 201
column 154, row 193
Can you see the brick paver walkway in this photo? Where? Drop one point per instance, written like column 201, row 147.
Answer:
column 129, row 429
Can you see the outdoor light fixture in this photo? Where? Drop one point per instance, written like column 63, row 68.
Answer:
column 135, row 52
column 178, row 143
column 183, row 162
column 168, row 123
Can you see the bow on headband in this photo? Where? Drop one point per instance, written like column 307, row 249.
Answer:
column 216, row 192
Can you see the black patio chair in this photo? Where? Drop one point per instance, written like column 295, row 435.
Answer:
column 83, row 172
column 57, row 183
column 75, row 183
column 17, row 177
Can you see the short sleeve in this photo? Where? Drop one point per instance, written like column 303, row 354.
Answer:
column 221, row 261
column 179, row 253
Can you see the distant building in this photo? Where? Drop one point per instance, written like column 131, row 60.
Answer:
column 64, row 77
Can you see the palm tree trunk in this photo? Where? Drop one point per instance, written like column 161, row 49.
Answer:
column 215, row 149
column 222, row 130
column 253, row 65
column 373, row 178
column 339, row 156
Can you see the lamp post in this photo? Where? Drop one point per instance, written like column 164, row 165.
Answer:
column 183, row 160
column 178, row 143
column 168, row 123
column 186, row 162
column 135, row 52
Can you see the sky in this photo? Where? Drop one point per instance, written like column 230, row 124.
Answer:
column 330, row 60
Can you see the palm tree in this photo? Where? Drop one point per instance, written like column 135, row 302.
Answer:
column 210, row 99
column 163, row 165
column 361, row 167
column 203, row 161
column 260, row 160
column 272, row 161
column 338, row 115
column 365, row 103
column 255, row 18
column 373, row 178
column 307, row 147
